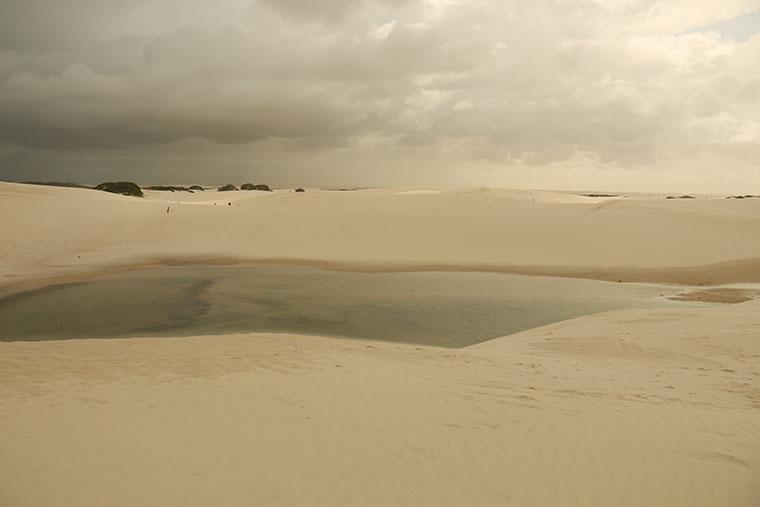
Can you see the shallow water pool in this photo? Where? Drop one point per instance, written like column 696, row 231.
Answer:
column 432, row 308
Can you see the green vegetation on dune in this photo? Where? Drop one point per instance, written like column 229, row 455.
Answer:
column 121, row 187
column 259, row 187
column 167, row 188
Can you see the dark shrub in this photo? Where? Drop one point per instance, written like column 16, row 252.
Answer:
column 121, row 187
column 227, row 188
column 251, row 186
column 197, row 187
column 167, row 188
column 300, row 190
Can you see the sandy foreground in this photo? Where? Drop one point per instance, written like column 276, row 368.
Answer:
column 634, row 407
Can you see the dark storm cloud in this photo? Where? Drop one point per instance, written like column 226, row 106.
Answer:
column 478, row 89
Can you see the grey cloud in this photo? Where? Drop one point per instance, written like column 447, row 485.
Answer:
column 329, row 9
column 335, row 86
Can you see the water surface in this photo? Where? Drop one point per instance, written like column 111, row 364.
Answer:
column 435, row 308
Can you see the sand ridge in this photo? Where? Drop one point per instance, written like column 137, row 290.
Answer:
column 62, row 232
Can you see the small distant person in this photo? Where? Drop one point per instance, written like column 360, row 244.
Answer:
column 167, row 209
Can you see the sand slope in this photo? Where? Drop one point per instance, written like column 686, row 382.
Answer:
column 51, row 231
column 640, row 407
column 628, row 408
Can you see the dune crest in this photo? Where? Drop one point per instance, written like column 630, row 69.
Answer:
column 62, row 231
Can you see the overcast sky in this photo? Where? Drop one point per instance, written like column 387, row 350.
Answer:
column 606, row 94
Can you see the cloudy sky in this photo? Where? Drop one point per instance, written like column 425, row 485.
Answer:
column 596, row 94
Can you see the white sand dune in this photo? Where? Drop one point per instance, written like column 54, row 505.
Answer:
column 53, row 231
column 626, row 408
column 634, row 407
